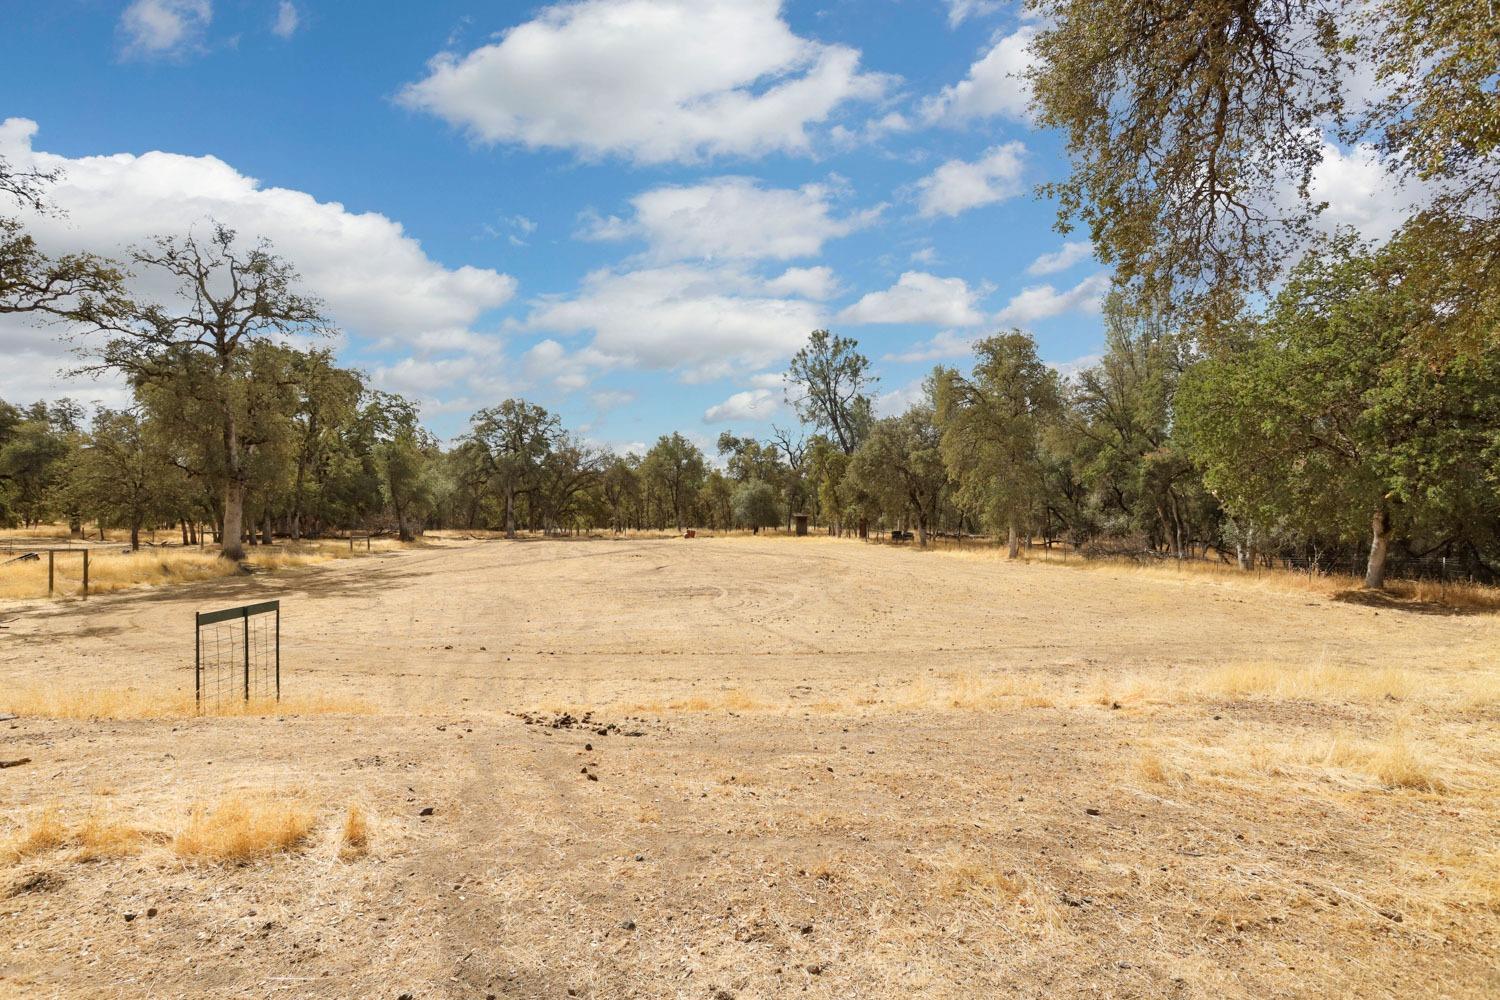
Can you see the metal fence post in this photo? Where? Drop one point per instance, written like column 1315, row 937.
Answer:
column 85, row 574
column 198, row 660
column 278, row 650
column 245, row 622
column 51, row 560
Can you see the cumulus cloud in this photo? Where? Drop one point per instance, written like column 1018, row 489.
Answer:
column 919, row 297
column 993, row 88
column 808, row 282
column 1070, row 254
column 960, row 11
column 288, row 19
column 898, row 401
column 958, row 185
column 1071, row 369
column 703, row 322
column 652, row 81
column 946, row 344
column 1361, row 193
column 377, row 281
column 731, row 218
column 156, row 29
column 1044, row 301
column 752, row 404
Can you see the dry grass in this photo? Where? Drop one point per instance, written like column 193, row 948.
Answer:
column 45, row 832
column 355, row 834
column 239, row 830
column 112, row 570
column 56, row 702
column 96, row 836
column 1395, row 762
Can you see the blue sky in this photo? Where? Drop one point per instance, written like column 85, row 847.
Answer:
column 631, row 211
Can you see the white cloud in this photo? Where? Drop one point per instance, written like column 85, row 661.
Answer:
column 702, row 322
column 153, row 29
column 377, row 281
column 946, row 344
column 653, row 81
column 769, row 380
column 1069, row 369
column 752, row 404
column 958, row 185
column 1044, row 301
column 611, row 399
column 926, row 255
column 918, row 297
column 1071, row 253
column 808, row 282
column 960, row 11
column 731, row 218
column 994, row 86
column 898, row 401
column 287, row 20
column 1362, row 193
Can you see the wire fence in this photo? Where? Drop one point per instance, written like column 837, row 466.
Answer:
column 237, row 654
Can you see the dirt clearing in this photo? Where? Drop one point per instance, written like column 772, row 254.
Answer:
column 746, row 768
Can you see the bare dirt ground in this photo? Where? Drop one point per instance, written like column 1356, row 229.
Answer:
column 834, row 769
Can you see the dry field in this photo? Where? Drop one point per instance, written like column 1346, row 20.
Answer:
column 743, row 767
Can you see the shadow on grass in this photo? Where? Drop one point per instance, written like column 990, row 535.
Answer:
column 1384, row 601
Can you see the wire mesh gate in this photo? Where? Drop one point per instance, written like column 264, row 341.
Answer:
column 237, row 653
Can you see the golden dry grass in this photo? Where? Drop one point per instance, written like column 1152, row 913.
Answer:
column 355, row 834
column 44, row 832
column 239, row 830
column 1084, row 784
column 112, row 570
column 57, row 702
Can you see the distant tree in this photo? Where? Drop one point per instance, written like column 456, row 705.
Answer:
column 992, row 424
column 828, row 383
column 1119, row 437
column 828, row 469
column 517, row 437
column 569, row 473
column 1329, row 419
column 620, row 487
column 676, row 465
column 33, row 462
column 716, row 499
column 407, row 457
column 120, row 476
column 900, row 465
column 755, row 505
column 327, row 399
column 232, row 302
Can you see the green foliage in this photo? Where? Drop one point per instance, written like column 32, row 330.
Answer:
column 829, row 385
column 675, row 468
column 1331, row 421
column 900, row 467
column 755, row 505
column 992, row 424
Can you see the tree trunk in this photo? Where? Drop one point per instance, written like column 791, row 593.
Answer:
column 75, row 527
column 135, row 536
column 1012, row 539
column 267, row 537
column 510, row 512
column 922, row 530
column 232, row 534
column 1380, row 541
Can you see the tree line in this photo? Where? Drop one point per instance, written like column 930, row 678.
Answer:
column 1269, row 390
